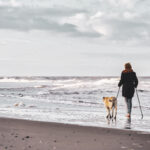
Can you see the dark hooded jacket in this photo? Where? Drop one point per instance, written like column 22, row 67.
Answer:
column 130, row 82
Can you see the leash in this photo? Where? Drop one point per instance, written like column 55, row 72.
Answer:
column 139, row 103
column 118, row 93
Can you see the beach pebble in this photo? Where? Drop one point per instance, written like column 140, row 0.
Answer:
column 27, row 137
column 55, row 141
column 40, row 141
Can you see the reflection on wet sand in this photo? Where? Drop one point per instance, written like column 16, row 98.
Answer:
column 111, row 122
column 128, row 123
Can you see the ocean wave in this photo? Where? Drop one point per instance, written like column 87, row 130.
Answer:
column 20, row 79
column 76, row 98
column 41, row 86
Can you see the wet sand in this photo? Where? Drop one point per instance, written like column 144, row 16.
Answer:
column 33, row 135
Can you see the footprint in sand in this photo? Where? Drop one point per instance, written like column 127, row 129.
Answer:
column 29, row 146
column 11, row 146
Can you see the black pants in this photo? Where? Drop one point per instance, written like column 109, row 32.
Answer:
column 128, row 104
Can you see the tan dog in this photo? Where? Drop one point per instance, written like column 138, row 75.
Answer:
column 110, row 104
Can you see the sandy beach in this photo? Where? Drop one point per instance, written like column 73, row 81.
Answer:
column 18, row 134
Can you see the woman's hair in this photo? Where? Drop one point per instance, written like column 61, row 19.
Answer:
column 128, row 66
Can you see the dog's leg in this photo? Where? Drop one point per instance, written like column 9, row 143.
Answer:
column 108, row 113
column 112, row 113
column 115, row 112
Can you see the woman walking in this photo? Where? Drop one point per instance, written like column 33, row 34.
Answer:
column 130, row 82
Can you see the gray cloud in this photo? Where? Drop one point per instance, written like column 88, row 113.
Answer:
column 27, row 19
column 127, row 30
column 121, row 20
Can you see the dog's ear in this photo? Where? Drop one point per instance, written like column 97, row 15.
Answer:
column 103, row 99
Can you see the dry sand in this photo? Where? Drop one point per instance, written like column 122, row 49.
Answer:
column 33, row 135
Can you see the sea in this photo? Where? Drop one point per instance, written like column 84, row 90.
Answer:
column 72, row 100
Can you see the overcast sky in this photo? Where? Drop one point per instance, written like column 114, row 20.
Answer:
column 74, row 37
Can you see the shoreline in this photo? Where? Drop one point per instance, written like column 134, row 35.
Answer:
column 18, row 134
column 76, row 125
